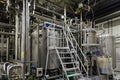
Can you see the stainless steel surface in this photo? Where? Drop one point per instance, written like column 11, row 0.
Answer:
column 16, row 36
column 7, row 52
column 2, row 47
column 51, row 11
column 47, row 19
column 89, row 37
column 25, row 53
column 40, row 48
column 108, row 44
column 35, row 49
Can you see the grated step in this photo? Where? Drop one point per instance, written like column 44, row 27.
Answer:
column 64, row 52
column 66, row 57
column 70, row 63
column 71, row 69
column 73, row 75
column 62, row 47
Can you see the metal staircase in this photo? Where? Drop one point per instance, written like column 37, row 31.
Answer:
column 72, row 65
column 69, row 59
column 69, row 63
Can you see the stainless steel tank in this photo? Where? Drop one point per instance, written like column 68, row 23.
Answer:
column 35, row 52
column 47, row 42
column 39, row 55
column 89, row 37
column 107, row 42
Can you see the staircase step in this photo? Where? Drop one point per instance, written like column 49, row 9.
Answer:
column 64, row 52
column 73, row 75
column 62, row 47
column 66, row 57
column 71, row 69
column 70, row 63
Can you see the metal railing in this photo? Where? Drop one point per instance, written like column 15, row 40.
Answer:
column 70, row 37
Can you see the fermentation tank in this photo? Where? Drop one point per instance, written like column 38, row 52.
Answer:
column 107, row 42
column 89, row 37
column 46, row 43
column 39, row 55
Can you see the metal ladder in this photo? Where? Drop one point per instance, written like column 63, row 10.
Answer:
column 69, row 63
column 67, row 55
column 69, row 59
column 72, row 40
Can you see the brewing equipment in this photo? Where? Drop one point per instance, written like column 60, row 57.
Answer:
column 12, row 71
column 89, row 37
column 107, row 42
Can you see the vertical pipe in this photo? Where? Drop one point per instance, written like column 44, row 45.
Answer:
column 34, row 6
column 7, row 54
column 25, row 33
column 37, row 45
column 16, row 36
column 65, row 22
column 23, row 39
column 65, row 16
column 2, row 47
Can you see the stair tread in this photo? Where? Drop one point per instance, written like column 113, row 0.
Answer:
column 65, row 52
column 76, row 74
column 70, row 62
column 66, row 57
column 70, row 69
column 62, row 47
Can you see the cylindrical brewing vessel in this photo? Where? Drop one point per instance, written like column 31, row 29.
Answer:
column 107, row 42
column 89, row 37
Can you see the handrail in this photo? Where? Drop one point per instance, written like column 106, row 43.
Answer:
column 72, row 37
column 77, row 44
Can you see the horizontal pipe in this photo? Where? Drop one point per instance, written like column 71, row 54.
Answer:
column 47, row 19
column 6, row 24
column 6, row 33
column 49, row 10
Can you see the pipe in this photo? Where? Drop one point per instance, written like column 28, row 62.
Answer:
column 6, row 33
column 71, row 20
column 16, row 35
column 7, row 51
column 2, row 47
column 25, row 30
column 8, row 4
column 34, row 6
column 47, row 19
column 3, row 25
column 49, row 10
